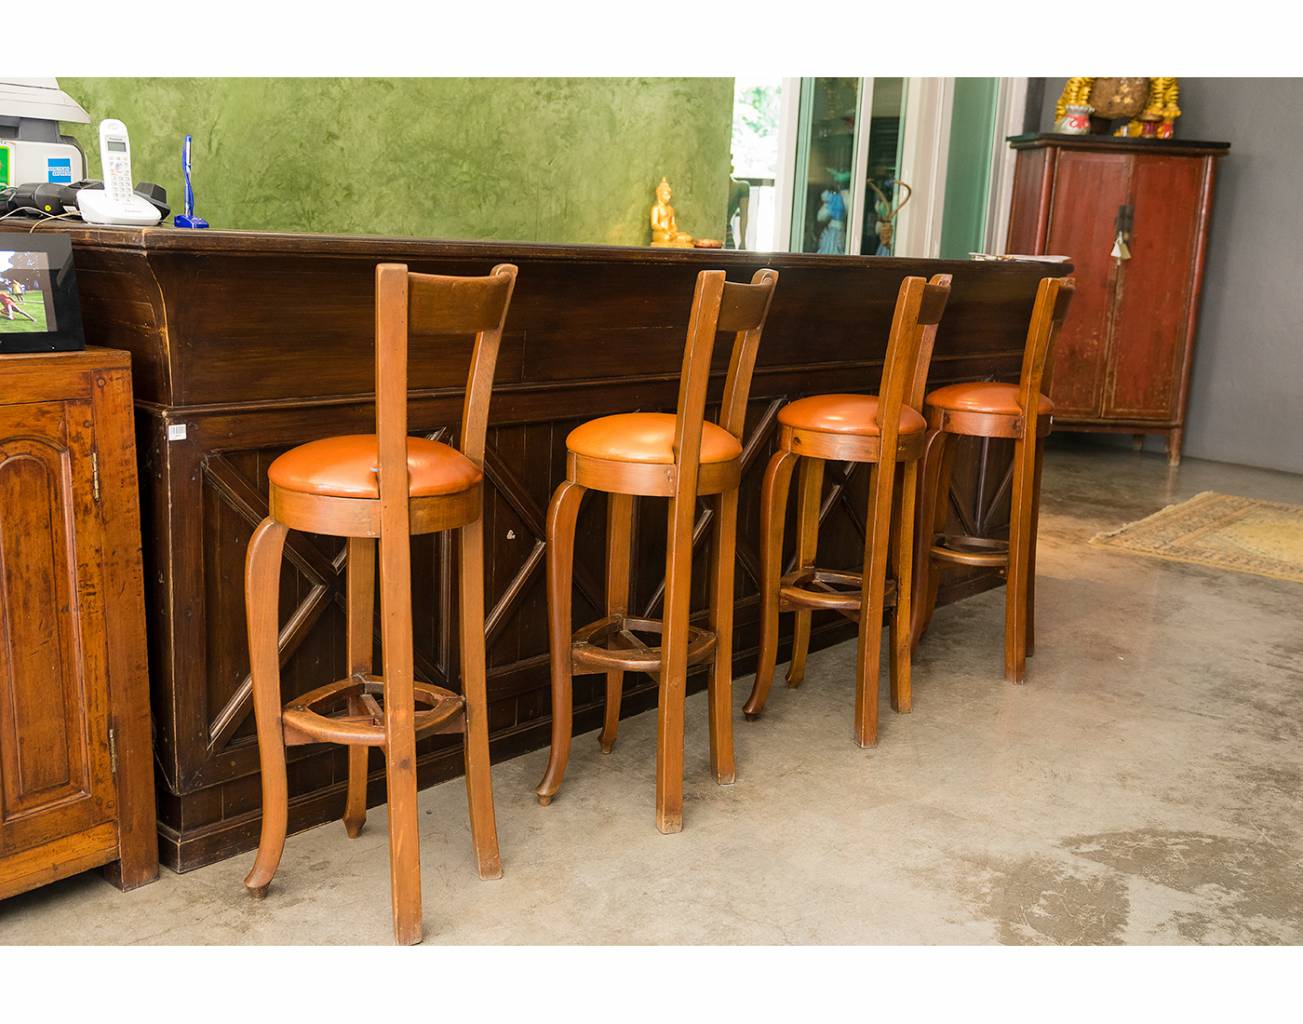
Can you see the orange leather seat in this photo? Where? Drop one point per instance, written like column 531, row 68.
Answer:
column 347, row 467
column 647, row 437
column 844, row 414
column 983, row 396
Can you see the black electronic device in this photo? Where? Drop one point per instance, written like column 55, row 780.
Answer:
column 39, row 307
column 156, row 196
column 49, row 199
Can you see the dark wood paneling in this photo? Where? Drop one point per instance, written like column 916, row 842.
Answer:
column 265, row 342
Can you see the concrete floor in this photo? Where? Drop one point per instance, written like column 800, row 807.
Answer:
column 1144, row 786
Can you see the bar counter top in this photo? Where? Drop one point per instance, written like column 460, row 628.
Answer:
column 246, row 343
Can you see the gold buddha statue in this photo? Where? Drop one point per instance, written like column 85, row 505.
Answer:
column 665, row 232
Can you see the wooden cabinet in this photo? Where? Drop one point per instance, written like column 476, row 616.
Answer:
column 76, row 772
column 1122, row 362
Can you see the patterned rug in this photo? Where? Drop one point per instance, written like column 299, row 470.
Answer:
column 1220, row 530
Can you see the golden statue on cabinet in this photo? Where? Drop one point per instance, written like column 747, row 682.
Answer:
column 1150, row 103
column 665, row 232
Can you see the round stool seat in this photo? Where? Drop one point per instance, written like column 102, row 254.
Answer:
column 647, row 437
column 348, row 467
column 844, row 414
column 983, row 396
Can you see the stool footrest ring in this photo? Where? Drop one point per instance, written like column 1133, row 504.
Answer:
column 305, row 721
column 817, row 589
column 961, row 549
column 613, row 643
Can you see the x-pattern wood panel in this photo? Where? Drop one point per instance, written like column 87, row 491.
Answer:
column 327, row 576
column 325, row 570
column 510, row 487
column 978, row 509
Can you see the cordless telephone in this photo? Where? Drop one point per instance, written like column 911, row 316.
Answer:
column 117, row 202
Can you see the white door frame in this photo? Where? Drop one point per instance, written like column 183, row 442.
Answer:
column 1010, row 109
column 859, row 188
column 789, row 118
column 928, row 106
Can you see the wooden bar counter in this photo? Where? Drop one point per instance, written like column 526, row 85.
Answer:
column 244, row 344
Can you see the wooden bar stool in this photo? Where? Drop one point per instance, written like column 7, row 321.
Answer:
column 883, row 430
column 676, row 456
column 385, row 486
column 987, row 409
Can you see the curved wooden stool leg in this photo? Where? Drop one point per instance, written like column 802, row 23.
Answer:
column 773, row 509
column 869, row 648
column 901, row 636
column 934, row 510
column 674, row 665
column 619, row 549
column 1020, row 524
column 479, row 777
column 1031, row 548
column 400, row 735
column 928, row 496
column 723, row 559
column 807, row 542
column 262, row 577
column 361, row 614
column 561, row 514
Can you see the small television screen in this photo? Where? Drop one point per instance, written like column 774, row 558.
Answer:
column 26, row 293
column 40, row 310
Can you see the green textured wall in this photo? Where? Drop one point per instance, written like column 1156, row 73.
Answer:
column 523, row 159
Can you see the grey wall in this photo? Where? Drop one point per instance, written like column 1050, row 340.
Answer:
column 1246, row 394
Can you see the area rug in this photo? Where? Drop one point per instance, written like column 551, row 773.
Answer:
column 1264, row 538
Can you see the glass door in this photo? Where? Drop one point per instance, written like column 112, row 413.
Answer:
column 884, row 193
column 824, row 190
column 868, row 161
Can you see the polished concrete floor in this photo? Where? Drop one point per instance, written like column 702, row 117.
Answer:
column 1144, row 786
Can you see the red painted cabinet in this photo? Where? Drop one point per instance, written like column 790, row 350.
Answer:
column 1122, row 362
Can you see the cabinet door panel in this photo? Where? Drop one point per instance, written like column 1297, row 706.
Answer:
column 55, row 776
column 1088, row 190
column 1154, row 290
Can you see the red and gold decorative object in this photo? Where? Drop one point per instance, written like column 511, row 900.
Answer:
column 1115, row 98
column 1149, row 103
column 1075, row 120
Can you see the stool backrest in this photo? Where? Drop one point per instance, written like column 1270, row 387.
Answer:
column 936, row 294
column 718, row 305
column 436, row 305
column 1053, row 297
column 919, row 307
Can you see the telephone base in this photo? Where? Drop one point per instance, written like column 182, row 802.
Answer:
column 96, row 207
